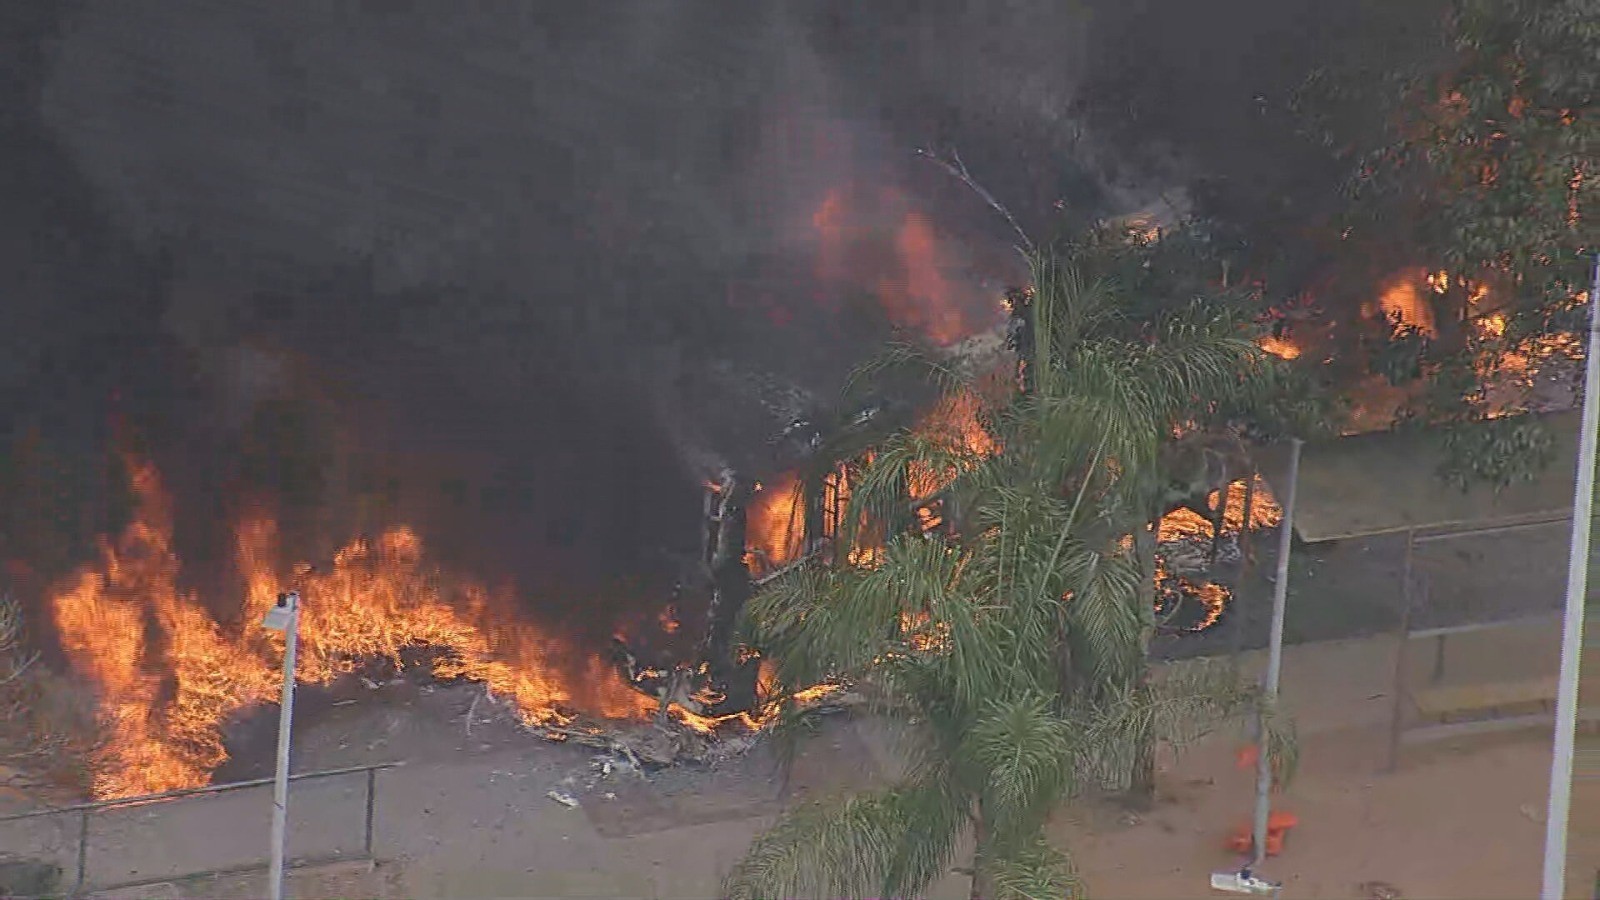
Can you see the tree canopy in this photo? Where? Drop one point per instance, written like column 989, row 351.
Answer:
column 1016, row 639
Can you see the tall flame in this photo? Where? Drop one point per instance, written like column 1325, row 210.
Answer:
column 1402, row 300
column 775, row 524
column 169, row 674
column 919, row 296
column 858, row 247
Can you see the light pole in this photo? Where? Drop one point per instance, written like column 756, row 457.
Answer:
column 1280, row 602
column 1558, row 813
column 284, row 617
column 1245, row 881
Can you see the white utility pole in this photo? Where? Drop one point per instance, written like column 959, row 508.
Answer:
column 1245, row 881
column 1280, row 603
column 284, row 617
column 1555, row 829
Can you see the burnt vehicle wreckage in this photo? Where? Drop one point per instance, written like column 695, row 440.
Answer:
column 719, row 677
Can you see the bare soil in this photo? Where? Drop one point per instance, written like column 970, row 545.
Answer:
column 469, row 815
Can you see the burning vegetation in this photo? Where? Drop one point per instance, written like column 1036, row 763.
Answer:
column 170, row 675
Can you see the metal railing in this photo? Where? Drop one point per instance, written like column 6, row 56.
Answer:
column 85, row 811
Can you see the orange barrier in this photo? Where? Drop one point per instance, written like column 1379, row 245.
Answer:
column 1278, row 824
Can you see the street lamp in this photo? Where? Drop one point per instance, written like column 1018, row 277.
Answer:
column 1245, row 881
column 1557, row 817
column 284, row 617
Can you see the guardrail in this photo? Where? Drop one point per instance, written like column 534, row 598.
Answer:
column 85, row 811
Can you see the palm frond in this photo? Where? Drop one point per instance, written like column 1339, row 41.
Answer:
column 1104, row 622
column 1283, row 742
column 1018, row 642
column 905, row 361
column 1178, row 707
column 896, row 841
column 1034, row 872
column 1025, row 751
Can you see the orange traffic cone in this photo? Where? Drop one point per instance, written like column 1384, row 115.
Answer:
column 1242, row 840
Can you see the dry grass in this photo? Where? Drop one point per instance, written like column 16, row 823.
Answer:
column 48, row 721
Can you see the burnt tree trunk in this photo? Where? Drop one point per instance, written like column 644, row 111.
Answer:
column 815, row 494
column 982, row 881
column 730, row 589
column 1020, row 337
column 1142, row 781
column 1219, row 517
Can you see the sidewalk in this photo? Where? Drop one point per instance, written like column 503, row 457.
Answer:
column 1457, row 821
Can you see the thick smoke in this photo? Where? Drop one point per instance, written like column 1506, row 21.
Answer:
column 550, row 265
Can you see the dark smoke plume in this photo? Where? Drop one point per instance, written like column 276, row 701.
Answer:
column 529, row 272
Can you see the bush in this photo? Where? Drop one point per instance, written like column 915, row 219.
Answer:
column 45, row 718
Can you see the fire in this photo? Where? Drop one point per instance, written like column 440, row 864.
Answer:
column 885, row 245
column 775, row 524
column 954, row 423
column 919, row 296
column 761, row 718
column 169, row 674
column 775, row 521
column 828, row 221
column 1186, row 523
column 1402, row 301
column 105, row 618
column 956, row 419
column 1279, row 347
column 1213, row 597
column 1492, row 326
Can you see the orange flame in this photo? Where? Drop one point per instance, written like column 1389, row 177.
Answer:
column 1186, row 523
column 1279, row 347
column 921, row 297
column 169, row 674
column 775, row 525
column 1402, row 300
column 907, row 273
column 668, row 620
column 828, row 221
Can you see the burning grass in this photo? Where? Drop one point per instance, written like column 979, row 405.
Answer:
column 169, row 675
column 47, row 722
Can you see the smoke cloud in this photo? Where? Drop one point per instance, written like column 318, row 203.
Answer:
column 554, row 264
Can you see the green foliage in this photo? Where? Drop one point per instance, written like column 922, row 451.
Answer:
column 1498, row 452
column 1486, row 170
column 1490, row 166
column 1517, row 126
column 1019, row 648
column 1400, row 358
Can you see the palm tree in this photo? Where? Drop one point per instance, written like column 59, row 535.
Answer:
column 1015, row 642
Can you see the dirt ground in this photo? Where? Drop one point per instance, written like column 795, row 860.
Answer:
column 469, row 816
